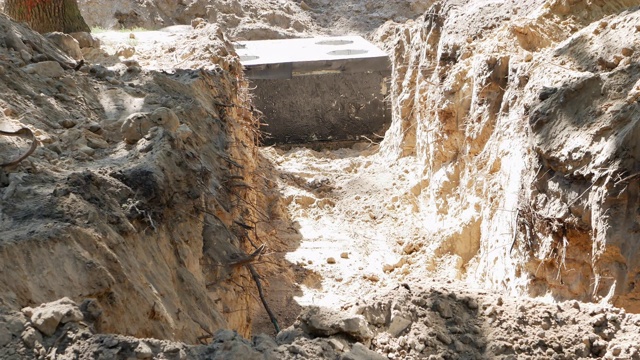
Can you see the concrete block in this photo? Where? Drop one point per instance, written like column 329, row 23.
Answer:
column 318, row 89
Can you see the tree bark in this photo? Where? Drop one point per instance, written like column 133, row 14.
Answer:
column 47, row 15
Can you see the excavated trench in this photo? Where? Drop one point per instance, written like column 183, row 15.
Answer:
column 508, row 170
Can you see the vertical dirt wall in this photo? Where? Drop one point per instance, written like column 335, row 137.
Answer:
column 523, row 115
column 143, row 193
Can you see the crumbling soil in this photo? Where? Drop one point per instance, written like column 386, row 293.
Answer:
column 495, row 219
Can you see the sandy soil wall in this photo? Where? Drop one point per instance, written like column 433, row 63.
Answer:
column 143, row 194
column 524, row 116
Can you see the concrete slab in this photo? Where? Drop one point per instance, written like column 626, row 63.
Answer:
column 318, row 89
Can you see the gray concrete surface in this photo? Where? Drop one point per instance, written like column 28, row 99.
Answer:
column 318, row 89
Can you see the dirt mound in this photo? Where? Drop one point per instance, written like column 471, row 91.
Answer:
column 415, row 321
column 240, row 19
column 141, row 193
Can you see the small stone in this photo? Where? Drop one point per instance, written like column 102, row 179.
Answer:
column 388, row 267
column 344, row 255
column 166, row 118
column 361, row 352
column 304, row 6
column 2, row 70
column 626, row 51
column 87, row 150
column 30, row 337
column 49, row 69
column 126, row 51
column 96, row 142
column 616, row 350
column 331, row 260
column 371, row 277
column 143, row 351
column 135, row 127
column 67, row 123
column 443, row 308
column 25, row 56
column 94, row 127
column 66, row 43
column 295, row 349
column 575, row 304
column 528, row 57
column 599, row 320
column 444, row 338
column 197, row 22
column 398, row 325
column 85, row 40
column 335, row 344
column 472, row 303
column 46, row 317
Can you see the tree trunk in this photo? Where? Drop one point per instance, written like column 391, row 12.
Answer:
column 47, row 15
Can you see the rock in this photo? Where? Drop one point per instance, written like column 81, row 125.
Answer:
column 96, row 142
column 25, row 56
column 371, row 277
column 67, row 123
column 360, row 352
column 47, row 317
column 331, row 260
column 472, row 303
column 135, row 127
column 264, row 343
column 143, row 351
column 49, row 69
column 66, row 43
column 87, row 150
column 90, row 309
column 2, row 70
column 126, row 51
column 30, row 337
column 575, row 304
column 626, row 51
column 85, row 40
column 377, row 314
column 195, row 23
column 444, row 338
column 289, row 335
column 443, row 308
column 336, row 344
column 546, row 92
column 94, row 127
column 344, row 255
column 599, row 320
column 297, row 350
column 398, row 325
column 224, row 335
column 166, row 118
column 304, row 6
column 317, row 321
